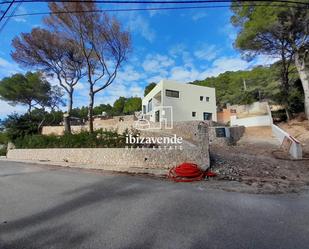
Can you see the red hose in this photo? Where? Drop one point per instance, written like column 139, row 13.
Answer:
column 187, row 172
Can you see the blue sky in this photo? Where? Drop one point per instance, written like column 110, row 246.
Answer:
column 183, row 45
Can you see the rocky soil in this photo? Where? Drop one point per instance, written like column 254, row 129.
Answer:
column 253, row 166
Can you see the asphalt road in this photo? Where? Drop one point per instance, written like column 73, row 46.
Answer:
column 49, row 207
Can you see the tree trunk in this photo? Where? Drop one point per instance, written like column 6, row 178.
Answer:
column 67, row 116
column 303, row 72
column 90, row 110
column 29, row 110
column 288, row 113
column 285, row 80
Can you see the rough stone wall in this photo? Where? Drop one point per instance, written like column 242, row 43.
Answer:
column 59, row 130
column 112, row 123
column 117, row 157
column 188, row 130
column 213, row 139
column 52, row 130
column 153, row 158
column 235, row 133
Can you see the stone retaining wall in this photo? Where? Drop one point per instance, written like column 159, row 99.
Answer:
column 59, row 130
column 153, row 158
column 117, row 157
column 233, row 134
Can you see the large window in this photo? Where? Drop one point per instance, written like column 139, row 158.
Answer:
column 172, row 93
column 150, row 105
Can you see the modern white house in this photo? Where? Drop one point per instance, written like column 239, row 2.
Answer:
column 175, row 101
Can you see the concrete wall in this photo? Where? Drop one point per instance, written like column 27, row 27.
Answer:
column 265, row 120
column 295, row 150
column 254, row 109
column 246, row 113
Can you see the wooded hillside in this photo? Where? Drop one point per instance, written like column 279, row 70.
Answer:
column 260, row 83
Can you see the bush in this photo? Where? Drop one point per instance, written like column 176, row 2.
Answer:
column 19, row 126
column 3, row 138
column 3, row 143
column 98, row 139
column 279, row 116
column 3, row 151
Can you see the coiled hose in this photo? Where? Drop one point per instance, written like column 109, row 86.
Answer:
column 188, row 172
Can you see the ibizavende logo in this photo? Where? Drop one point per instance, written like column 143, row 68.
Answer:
column 157, row 118
column 160, row 143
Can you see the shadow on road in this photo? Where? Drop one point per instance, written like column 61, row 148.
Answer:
column 41, row 236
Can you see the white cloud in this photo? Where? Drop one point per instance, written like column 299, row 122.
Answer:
column 116, row 90
column 20, row 11
column 136, row 91
column 224, row 64
column 230, row 32
column 7, row 109
column 265, row 60
column 141, row 26
column 184, row 74
column 80, row 85
column 155, row 78
column 206, row 52
column 7, row 68
column 157, row 63
column 199, row 15
column 129, row 73
column 177, row 50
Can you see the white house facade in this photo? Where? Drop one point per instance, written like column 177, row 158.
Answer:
column 174, row 101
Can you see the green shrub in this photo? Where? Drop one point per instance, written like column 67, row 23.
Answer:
column 3, row 142
column 84, row 139
column 3, row 138
column 3, row 151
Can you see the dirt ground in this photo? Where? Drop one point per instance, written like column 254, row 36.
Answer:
column 252, row 165
column 300, row 130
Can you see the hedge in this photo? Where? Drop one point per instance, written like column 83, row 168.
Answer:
column 84, row 139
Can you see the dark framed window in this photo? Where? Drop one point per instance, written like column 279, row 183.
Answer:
column 150, row 105
column 220, row 132
column 207, row 99
column 201, row 98
column 207, row 116
column 172, row 93
column 193, row 114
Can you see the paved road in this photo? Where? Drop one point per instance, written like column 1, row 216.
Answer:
column 48, row 207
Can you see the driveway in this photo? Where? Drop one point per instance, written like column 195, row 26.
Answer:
column 52, row 207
